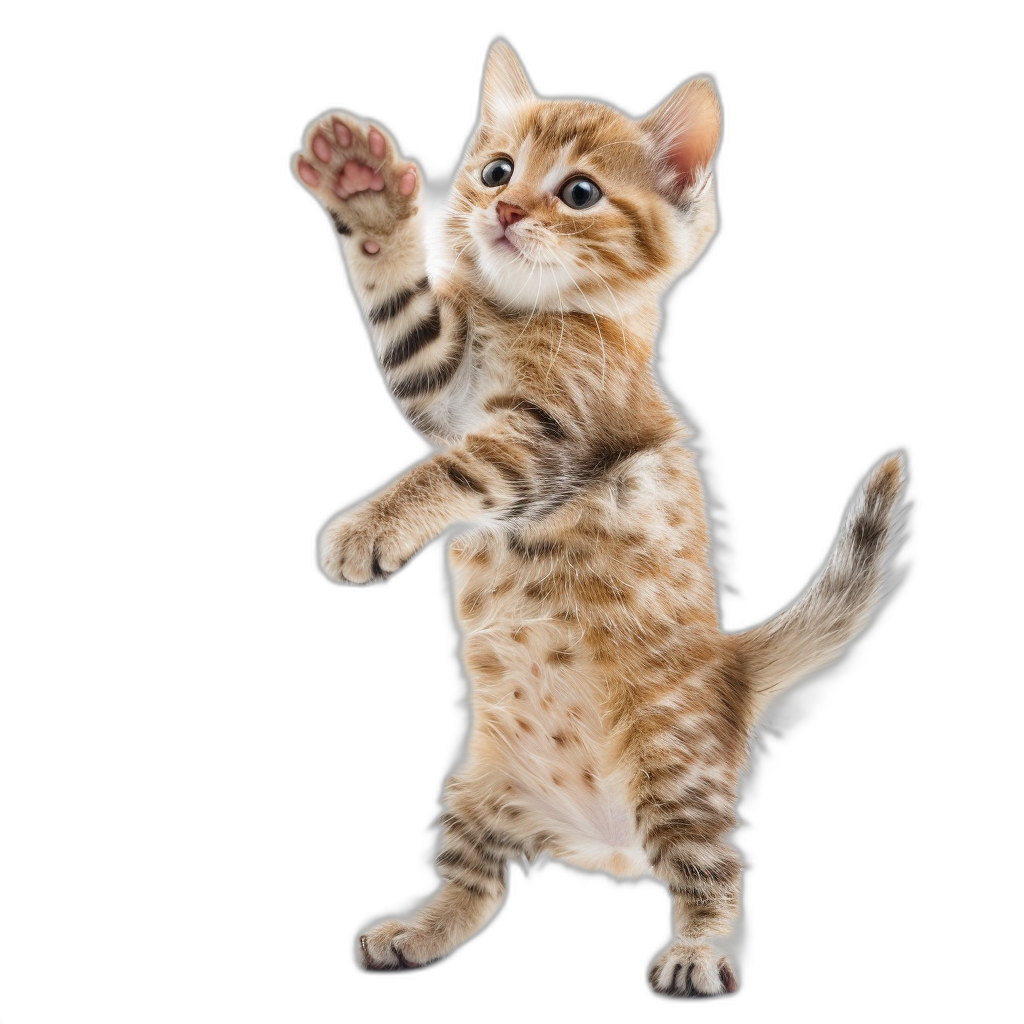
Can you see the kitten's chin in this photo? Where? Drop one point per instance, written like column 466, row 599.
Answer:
column 517, row 281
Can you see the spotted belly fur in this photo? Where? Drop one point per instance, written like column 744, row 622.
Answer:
column 550, row 617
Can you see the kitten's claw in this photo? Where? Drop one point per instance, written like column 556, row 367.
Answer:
column 685, row 969
column 357, row 173
column 394, row 946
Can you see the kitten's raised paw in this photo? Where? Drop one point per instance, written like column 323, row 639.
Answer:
column 357, row 173
column 394, row 946
column 685, row 969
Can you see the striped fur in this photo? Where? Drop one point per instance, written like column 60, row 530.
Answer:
column 610, row 714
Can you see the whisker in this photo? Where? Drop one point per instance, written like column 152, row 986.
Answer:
column 597, row 323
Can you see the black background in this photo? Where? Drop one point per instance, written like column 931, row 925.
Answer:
column 795, row 349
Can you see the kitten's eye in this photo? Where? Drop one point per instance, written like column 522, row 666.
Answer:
column 497, row 172
column 579, row 193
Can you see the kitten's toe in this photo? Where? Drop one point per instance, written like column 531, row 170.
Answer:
column 358, row 548
column 407, row 182
column 692, row 970
column 394, row 946
column 307, row 172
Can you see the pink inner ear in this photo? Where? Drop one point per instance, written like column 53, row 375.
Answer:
column 691, row 154
column 686, row 128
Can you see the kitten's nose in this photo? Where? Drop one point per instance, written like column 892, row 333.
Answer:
column 509, row 214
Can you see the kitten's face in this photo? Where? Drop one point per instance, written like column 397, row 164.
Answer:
column 570, row 205
column 559, row 205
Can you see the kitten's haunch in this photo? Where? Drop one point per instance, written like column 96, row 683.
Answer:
column 611, row 715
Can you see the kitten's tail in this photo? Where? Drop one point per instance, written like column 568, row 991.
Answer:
column 833, row 610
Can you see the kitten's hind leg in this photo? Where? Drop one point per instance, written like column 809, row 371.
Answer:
column 692, row 967
column 702, row 873
column 452, row 915
column 472, row 862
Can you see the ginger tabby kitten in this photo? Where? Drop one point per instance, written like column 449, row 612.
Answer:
column 610, row 713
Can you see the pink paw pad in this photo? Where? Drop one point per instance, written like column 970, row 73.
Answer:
column 309, row 174
column 378, row 147
column 343, row 134
column 357, row 177
column 322, row 148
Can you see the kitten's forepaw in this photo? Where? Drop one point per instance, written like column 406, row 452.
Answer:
column 358, row 174
column 692, row 970
column 361, row 547
column 394, row 946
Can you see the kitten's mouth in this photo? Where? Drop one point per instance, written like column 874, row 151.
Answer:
column 506, row 243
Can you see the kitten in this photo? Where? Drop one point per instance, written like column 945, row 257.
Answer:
column 610, row 714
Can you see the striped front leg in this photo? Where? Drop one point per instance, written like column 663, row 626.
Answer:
column 371, row 194
column 500, row 473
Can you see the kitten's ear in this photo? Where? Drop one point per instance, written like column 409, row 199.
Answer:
column 685, row 130
column 505, row 84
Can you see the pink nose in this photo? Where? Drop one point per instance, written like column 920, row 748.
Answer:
column 509, row 214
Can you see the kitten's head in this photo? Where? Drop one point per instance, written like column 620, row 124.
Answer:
column 566, row 204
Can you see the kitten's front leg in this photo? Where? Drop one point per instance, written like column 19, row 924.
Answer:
column 372, row 195
column 378, row 537
column 493, row 474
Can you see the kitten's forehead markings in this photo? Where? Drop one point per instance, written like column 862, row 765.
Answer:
column 522, row 161
column 560, row 170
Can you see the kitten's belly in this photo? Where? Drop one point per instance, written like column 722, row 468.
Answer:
column 541, row 738
column 559, row 767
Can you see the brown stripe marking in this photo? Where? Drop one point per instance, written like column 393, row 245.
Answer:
column 434, row 379
column 533, row 549
column 560, row 657
column 548, row 424
column 462, row 479
column 391, row 307
column 501, row 454
column 418, row 338
column 724, row 872
column 487, row 844
column 341, row 227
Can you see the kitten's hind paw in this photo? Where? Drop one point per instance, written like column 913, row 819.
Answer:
column 394, row 946
column 685, row 969
column 357, row 173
